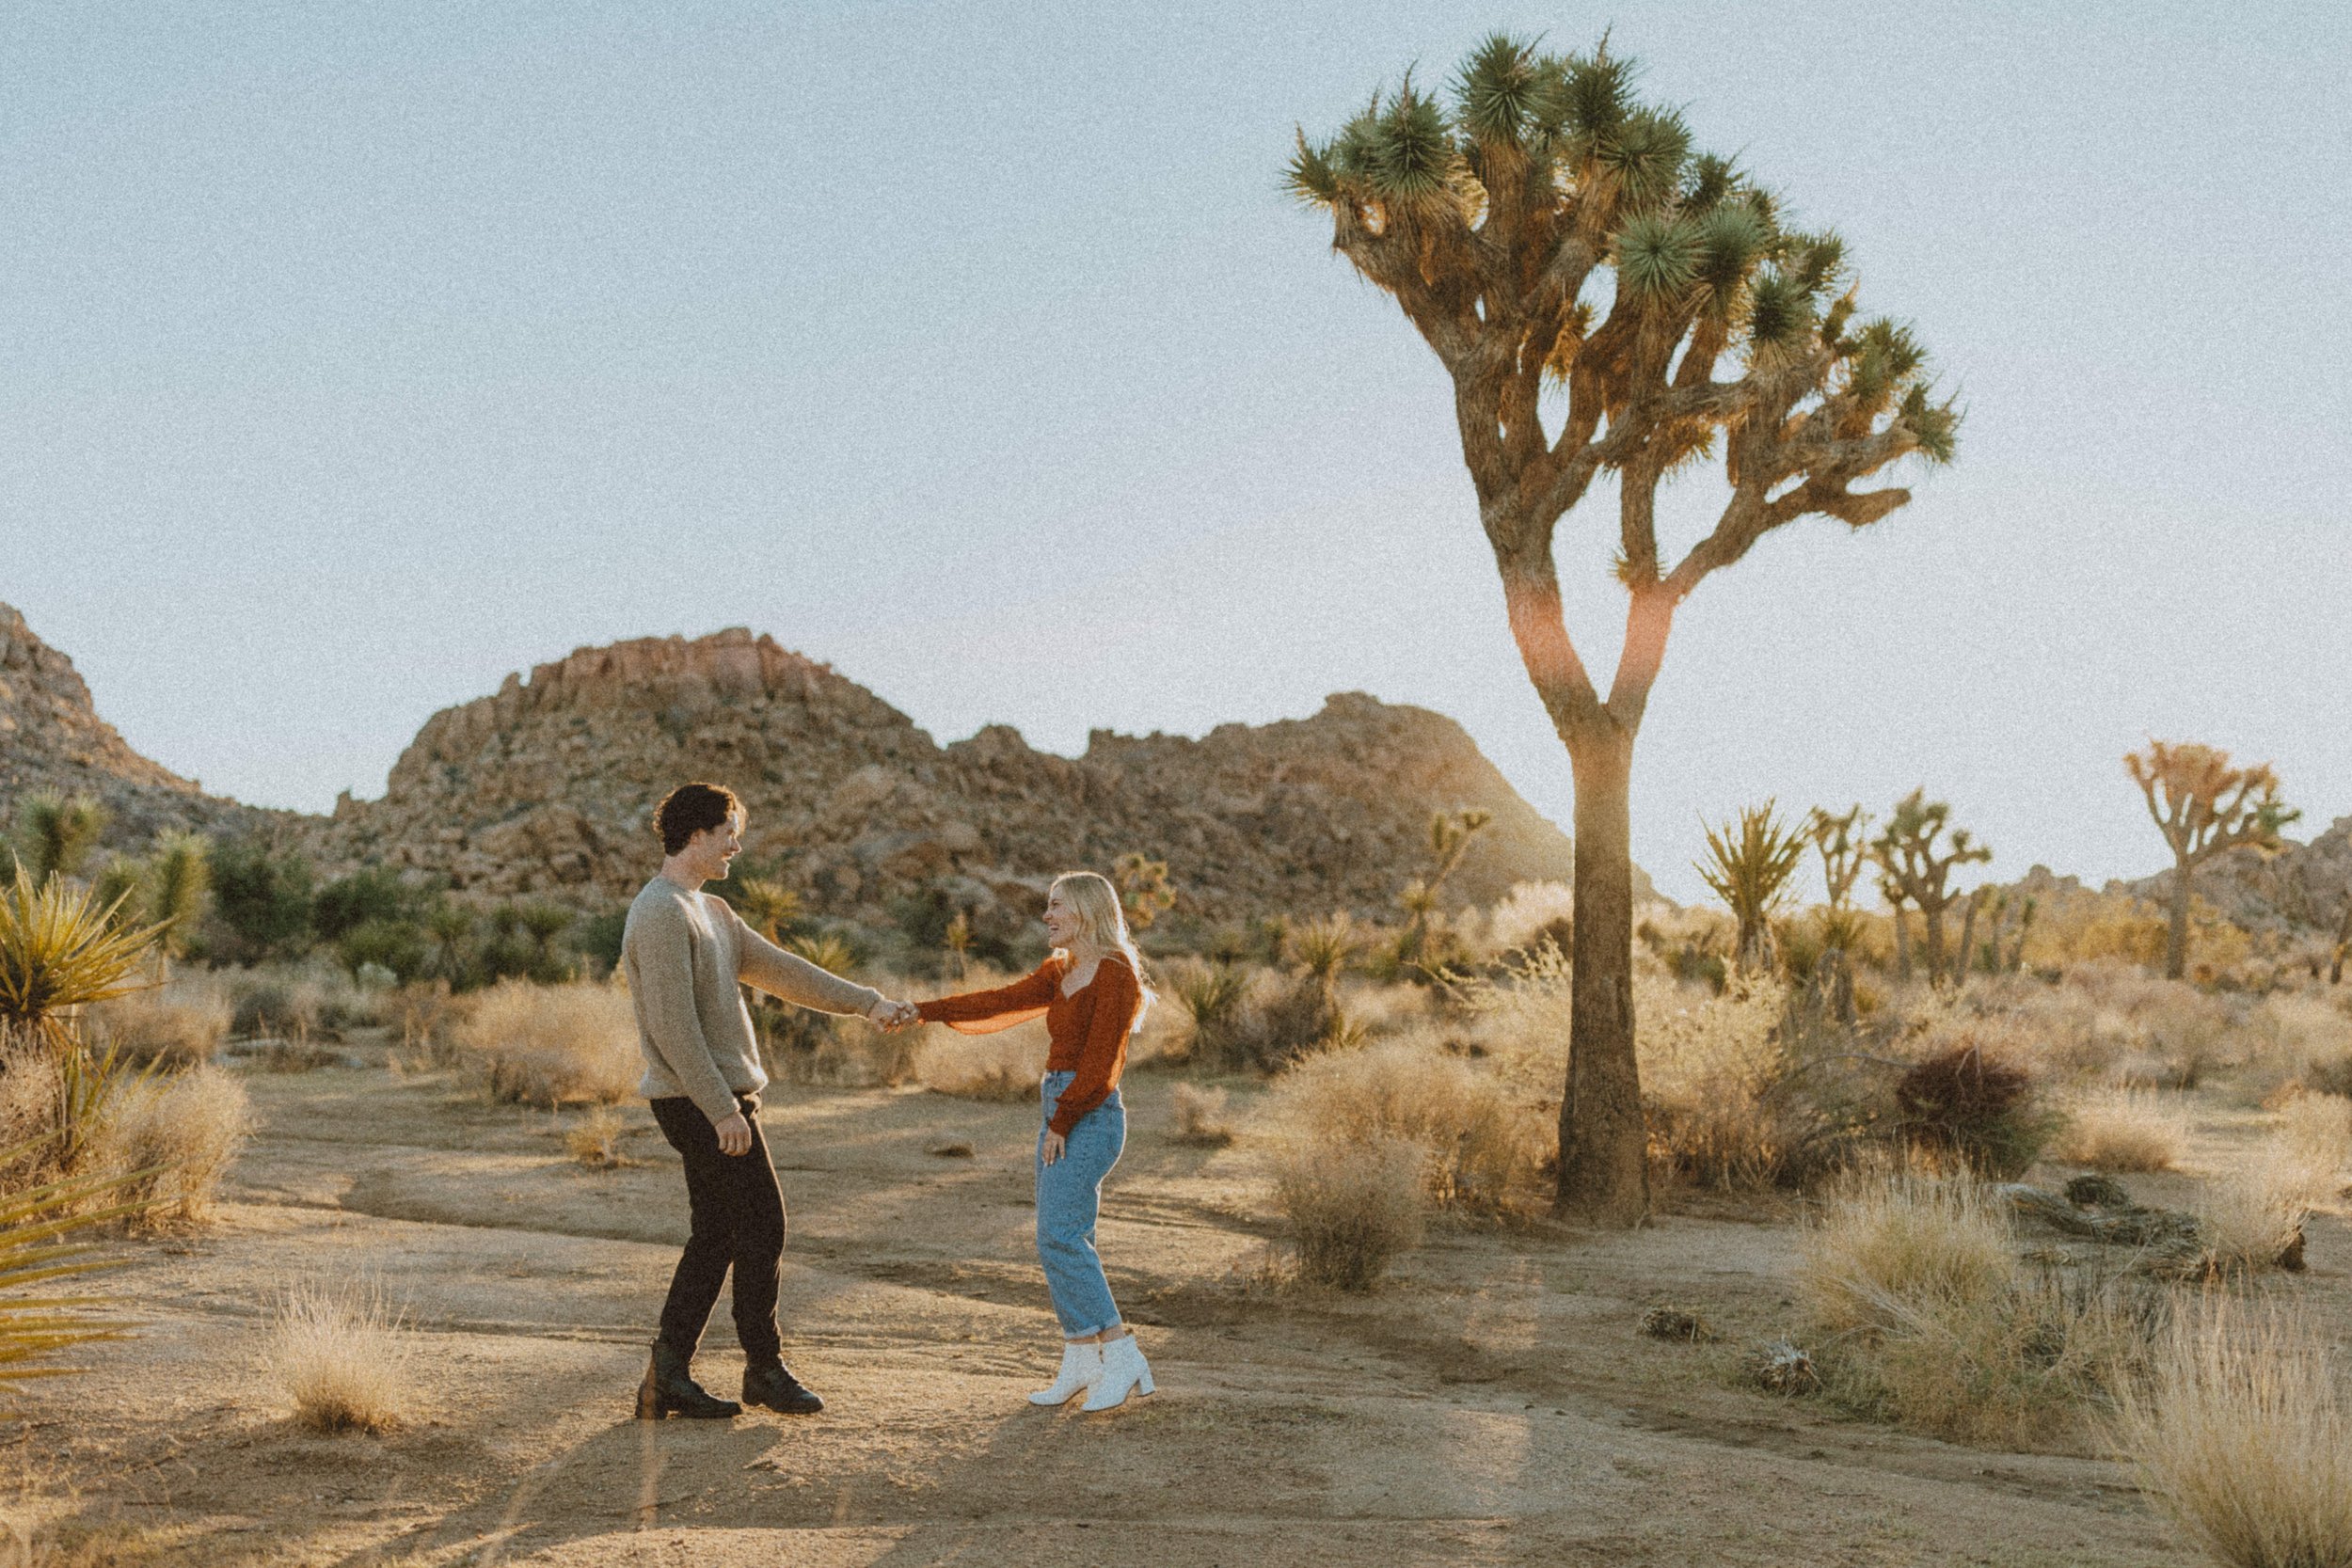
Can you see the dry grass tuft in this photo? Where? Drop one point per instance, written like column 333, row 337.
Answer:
column 595, row 1139
column 552, row 1045
column 1201, row 1117
column 2252, row 1215
column 179, row 1024
column 2123, row 1131
column 1476, row 1141
column 1908, row 1237
column 343, row 1358
column 2242, row 1436
column 1004, row 1066
column 1354, row 1206
column 1711, row 1068
column 192, row 1126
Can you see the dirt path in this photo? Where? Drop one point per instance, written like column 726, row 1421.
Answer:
column 1496, row 1406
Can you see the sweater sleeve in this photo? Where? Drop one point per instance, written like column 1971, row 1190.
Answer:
column 1110, row 1017
column 985, row 1012
column 794, row 979
column 663, row 973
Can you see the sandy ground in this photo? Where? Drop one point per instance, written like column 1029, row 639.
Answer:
column 1494, row 1405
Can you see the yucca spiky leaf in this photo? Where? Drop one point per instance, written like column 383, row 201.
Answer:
column 1934, row 425
column 59, row 948
column 1780, row 316
column 33, row 1328
column 1657, row 258
column 1597, row 94
column 1646, row 155
column 1311, row 177
column 1731, row 239
column 1499, row 90
column 1710, row 182
column 1413, row 160
column 55, row 835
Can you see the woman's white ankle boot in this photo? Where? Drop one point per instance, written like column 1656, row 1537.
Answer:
column 1125, row 1371
column 1081, row 1364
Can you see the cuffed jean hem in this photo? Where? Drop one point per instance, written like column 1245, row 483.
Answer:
column 1068, row 1201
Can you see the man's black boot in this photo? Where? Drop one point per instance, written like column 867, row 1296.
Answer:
column 670, row 1390
column 779, row 1390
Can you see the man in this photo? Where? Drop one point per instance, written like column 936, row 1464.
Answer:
column 686, row 954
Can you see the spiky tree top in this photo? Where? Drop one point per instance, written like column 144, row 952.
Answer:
column 1841, row 841
column 1917, row 868
column 1500, row 221
column 2203, row 805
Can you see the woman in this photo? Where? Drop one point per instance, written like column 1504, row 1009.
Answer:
column 1090, row 994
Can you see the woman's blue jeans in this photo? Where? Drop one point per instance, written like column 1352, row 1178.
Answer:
column 1069, row 1198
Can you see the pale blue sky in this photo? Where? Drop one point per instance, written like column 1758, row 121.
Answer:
column 357, row 355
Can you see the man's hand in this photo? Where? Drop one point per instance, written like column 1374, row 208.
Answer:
column 891, row 1017
column 735, row 1134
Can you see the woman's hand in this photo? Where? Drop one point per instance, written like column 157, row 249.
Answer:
column 1054, row 1144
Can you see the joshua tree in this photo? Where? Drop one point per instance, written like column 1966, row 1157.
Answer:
column 1842, row 844
column 1500, row 222
column 178, row 880
column 1915, row 872
column 55, row 835
column 1450, row 836
column 1748, row 870
column 1143, row 889
column 2203, row 806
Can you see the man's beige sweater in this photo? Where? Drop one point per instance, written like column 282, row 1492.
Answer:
column 686, row 955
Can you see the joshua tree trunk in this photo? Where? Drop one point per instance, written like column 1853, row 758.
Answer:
column 1604, row 1170
column 2344, row 941
column 2176, row 938
column 1902, row 943
column 1967, row 939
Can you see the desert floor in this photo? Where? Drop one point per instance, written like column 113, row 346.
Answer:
column 1495, row 1405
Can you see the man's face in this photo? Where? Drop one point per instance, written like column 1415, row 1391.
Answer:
column 709, row 851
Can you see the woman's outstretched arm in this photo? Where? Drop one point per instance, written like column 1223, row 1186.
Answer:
column 984, row 1012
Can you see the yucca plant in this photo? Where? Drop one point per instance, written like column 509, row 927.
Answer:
column 55, row 835
column 1321, row 947
column 34, row 1250
column 1608, row 300
column 61, row 949
column 767, row 907
column 1215, row 994
column 1748, row 867
column 825, row 950
column 178, row 880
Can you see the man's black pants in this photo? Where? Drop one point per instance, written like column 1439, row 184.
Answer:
column 737, row 1215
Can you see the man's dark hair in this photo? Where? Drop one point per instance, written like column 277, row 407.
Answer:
column 689, row 809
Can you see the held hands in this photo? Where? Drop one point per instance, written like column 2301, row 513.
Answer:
column 890, row 1017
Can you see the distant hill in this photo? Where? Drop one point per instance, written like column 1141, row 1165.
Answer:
column 546, row 787
column 52, row 742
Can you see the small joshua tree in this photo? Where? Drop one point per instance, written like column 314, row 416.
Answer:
column 1143, row 889
column 2203, row 806
column 1842, row 841
column 1748, row 868
column 179, row 880
column 55, row 835
column 1915, row 871
column 1450, row 836
column 1570, row 257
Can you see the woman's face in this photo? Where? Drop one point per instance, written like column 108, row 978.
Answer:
column 1061, row 921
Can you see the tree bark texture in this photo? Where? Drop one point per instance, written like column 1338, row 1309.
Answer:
column 1604, row 1163
column 2176, row 938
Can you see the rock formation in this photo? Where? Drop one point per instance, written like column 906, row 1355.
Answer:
column 52, row 742
column 548, row 787
column 2302, row 886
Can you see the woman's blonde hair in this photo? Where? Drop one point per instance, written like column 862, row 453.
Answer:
column 1103, row 921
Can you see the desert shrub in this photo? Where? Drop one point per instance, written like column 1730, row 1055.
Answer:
column 343, row 1358
column 1907, row 1237
column 1003, row 1067
column 1216, row 996
column 2240, row 1434
column 1712, row 1078
column 1532, row 913
column 261, row 902
column 1967, row 1102
column 178, row 1025
column 595, row 1139
column 185, row 1131
column 1475, row 1140
column 552, row 1045
column 1352, row 1205
column 2012, row 1369
column 2121, row 1131
column 1201, row 1117
column 2252, row 1214
column 2296, row 1041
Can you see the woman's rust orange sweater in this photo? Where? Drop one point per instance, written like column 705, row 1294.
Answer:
column 1086, row 1031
